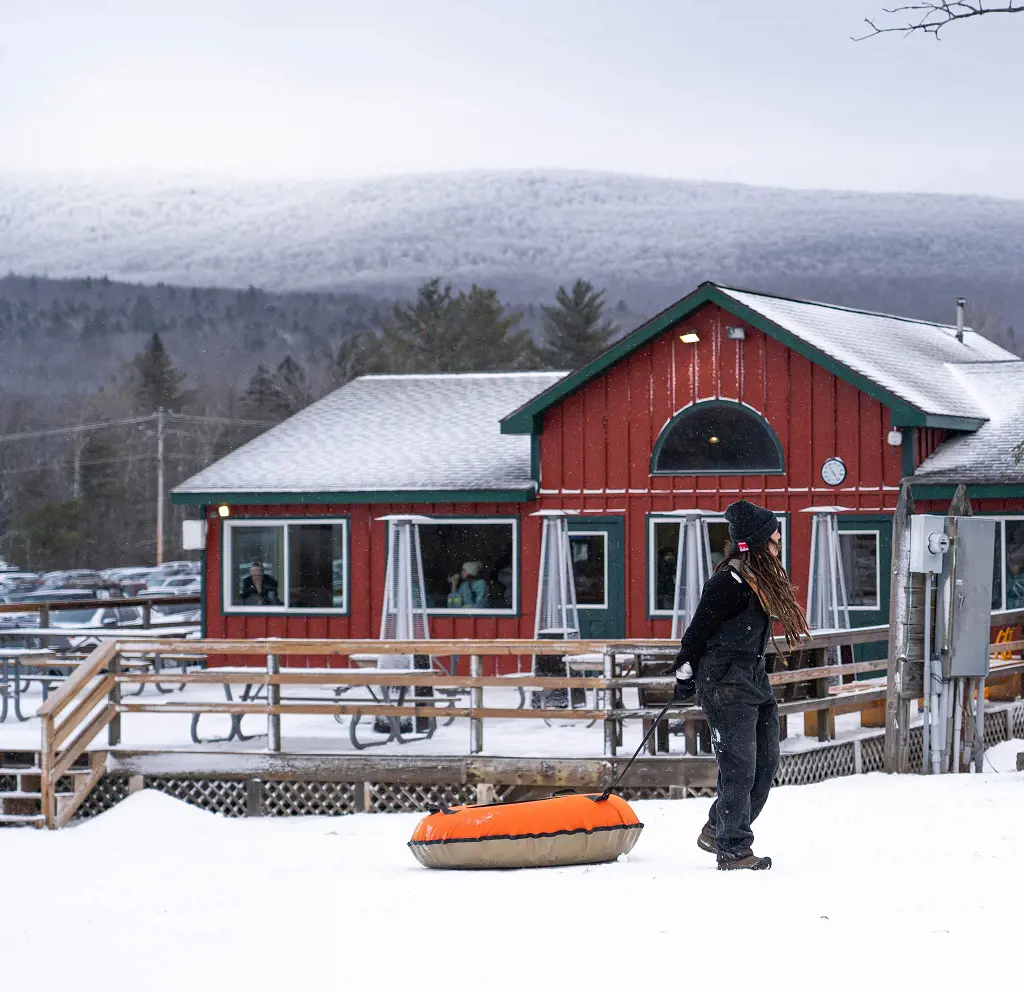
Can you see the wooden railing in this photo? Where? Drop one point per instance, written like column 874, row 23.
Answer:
column 146, row 603
column 90, row 700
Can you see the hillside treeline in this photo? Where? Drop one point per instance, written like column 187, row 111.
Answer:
column 223, row 365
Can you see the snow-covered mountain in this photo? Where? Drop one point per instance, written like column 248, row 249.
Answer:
column 646, row 239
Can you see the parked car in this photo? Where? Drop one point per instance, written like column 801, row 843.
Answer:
column 178, row 585
column 85, row 619
column 174, row 614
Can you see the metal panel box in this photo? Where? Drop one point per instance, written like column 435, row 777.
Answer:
column 966, row 592
column 925, row 558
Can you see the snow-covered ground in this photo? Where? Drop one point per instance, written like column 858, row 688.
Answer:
column 879, row 883
column 323, row 734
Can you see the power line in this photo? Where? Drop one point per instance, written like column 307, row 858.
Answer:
column 129, row 421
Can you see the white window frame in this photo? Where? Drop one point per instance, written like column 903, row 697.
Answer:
column 490, row 611
column 1001, row 521
column 664, row 518
column 603, row 534
column 228, row 579
column 878, row 567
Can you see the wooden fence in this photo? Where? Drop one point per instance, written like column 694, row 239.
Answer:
column 90, row 701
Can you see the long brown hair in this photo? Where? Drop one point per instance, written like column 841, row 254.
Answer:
column 766, row 576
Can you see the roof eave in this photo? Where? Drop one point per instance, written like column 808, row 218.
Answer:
column 264, row 498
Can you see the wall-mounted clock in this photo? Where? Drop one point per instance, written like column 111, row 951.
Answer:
column 833, row 472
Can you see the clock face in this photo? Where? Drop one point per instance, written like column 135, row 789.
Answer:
column 833, row 472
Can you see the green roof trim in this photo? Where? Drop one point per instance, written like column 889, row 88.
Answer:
column 528, row 419
column 369, row 496
column 935, row 490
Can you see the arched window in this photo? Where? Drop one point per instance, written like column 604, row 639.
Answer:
column 717, row 437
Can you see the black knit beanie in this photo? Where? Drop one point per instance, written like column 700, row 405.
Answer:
column 750, row 526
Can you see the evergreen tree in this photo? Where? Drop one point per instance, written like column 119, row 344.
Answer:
column 261, row 399
column 575, row 331
column 442, row 332
column 488, row 334
column 276, row 395
column 291, row 385
column 154, row 381
column 418, row 336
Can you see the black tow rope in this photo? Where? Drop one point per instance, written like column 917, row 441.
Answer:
column 654, row 726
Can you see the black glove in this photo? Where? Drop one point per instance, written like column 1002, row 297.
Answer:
column 684, row 691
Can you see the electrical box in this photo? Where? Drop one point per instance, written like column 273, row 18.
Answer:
column 928, row 542
column 965, row 594
column 193, row 535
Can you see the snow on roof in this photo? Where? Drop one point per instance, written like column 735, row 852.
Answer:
column 911, row 359
column 389, row 432
column 986, row 455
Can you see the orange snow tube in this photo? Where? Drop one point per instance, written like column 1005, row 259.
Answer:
column 563, row 830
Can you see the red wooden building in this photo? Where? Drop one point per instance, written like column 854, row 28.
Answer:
column 726, row 394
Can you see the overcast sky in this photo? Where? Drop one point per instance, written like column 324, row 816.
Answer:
column 758, row 91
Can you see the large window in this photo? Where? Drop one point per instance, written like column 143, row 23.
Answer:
column 1008, row 567
column 590, row 568
column 859, row 552
column 663, row 545
column 297, row 566
column 470, row 566
column 717, row 437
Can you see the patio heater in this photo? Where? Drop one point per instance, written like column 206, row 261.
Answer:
column 404, row 614
column 827, row 603
column 557, row 616
column 693, row 567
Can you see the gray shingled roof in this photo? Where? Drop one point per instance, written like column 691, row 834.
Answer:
column 389, row 432
column 911, row 359
column 984, row 457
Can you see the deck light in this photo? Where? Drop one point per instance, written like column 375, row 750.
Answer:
column 713, row 439
column 224, row 511
column 690, row 337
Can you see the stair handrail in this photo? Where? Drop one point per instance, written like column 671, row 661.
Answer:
column 60, row 745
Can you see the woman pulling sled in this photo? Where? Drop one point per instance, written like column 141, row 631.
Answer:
column 723, row 662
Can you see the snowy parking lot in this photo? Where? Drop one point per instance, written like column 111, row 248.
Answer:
column 879, row 882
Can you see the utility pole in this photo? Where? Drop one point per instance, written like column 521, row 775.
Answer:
column 76, row 485
column 160, row 486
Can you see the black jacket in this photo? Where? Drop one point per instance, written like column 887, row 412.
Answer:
column 729, row 622
column 266, row 597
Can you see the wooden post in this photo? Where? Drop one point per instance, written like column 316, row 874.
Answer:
column 273, row 699
column 254, row 797
column 46, row 762
column 147, row 614
column 114, row 700
column 820, row 723
column 897, row 703
column 44, row 614
column 610, row 736
column 136, row 783
column 960, row 505
column 476, row 702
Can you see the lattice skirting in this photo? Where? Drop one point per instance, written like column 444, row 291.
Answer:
column 241, row 797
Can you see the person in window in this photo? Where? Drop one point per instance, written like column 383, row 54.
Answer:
column 469, row 591
column 259, row 589
column 723, row 660
column 666, row 579
column 1015, row 580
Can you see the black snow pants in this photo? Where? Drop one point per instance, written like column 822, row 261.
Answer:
column 737, row 700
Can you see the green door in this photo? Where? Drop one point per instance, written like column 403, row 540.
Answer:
column 866, row 546
column 599, row 565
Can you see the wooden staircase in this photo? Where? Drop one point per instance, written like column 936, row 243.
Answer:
column 21, row 800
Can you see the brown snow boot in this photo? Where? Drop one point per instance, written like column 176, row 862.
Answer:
column 751, row 861
column 706, row 840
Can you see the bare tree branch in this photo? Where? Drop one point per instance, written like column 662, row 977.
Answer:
column 932, row 17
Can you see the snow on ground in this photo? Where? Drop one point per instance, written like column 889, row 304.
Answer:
column 323, row 734
column 878, row 882
column 1003, row 757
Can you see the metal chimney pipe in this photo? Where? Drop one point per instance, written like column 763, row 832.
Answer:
column 961, row 302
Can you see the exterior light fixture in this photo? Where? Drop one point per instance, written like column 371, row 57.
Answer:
column 690, row 337
column 713, row 439
column 224, row 511
column 735, row 333
column 895, row 438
